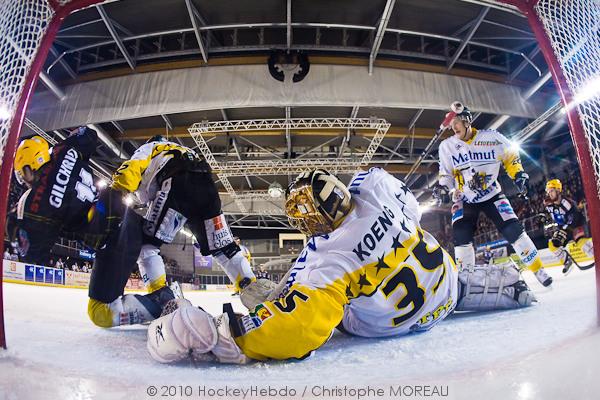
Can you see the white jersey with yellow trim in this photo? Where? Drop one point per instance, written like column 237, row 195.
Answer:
column 472, row 167
column 137, row 175
column 395, row 276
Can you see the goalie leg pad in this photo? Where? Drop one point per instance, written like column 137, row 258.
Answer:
column 493, row 287
column 465, row 256
column 226, row 350
column 152, row 268
column 174, row 336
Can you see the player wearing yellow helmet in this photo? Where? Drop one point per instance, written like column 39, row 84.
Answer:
column 31, row 155
column 569, row 222
column 63, row 200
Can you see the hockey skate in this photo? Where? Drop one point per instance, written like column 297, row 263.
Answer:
column 156, row 301
column 543, row 277
column 568, row 262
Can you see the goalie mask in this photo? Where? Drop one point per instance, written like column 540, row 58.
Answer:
column 317, row 202
column 31, row 155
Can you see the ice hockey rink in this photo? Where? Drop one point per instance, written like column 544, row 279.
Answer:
column 546, row 351
column 264, row 91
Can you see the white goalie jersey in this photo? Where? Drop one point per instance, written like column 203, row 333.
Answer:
column 393, row 275
column 472, row 167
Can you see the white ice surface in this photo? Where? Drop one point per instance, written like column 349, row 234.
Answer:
column 548, row 351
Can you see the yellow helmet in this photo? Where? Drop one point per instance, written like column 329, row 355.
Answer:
column 317, row 202
column 554, row 184
column 33, row 153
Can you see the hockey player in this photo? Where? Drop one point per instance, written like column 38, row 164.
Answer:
column 245, row 252
column 469, row 166
column 61, row 192
column 368, row 269
column 62, row 200
column 177, row 187
column 570, row 220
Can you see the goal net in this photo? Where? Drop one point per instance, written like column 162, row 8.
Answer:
column 27, row 30
column 568, row 32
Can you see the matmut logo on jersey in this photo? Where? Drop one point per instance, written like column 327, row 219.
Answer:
column 463, row 158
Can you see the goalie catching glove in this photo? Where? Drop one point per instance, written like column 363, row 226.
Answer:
column 189, row 331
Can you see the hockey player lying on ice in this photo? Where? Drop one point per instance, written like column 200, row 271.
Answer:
column 368, row 269
column 176, row 185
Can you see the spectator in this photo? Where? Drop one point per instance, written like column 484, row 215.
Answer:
column 7, row 255
column 59, row 263
column 14, row 256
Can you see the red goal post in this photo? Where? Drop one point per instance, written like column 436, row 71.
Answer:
column 567, row 32
column 27, row 30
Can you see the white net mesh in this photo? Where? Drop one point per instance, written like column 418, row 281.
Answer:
column 573, row 27
column 22, row 27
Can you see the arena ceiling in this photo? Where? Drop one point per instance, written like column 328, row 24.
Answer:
column 137, row 68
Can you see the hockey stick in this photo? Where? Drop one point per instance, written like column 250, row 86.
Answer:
column 443, row 126
column 582, row 268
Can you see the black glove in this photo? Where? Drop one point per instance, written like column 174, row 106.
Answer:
column 559, row 238
column 522, row 182
column 441, row 194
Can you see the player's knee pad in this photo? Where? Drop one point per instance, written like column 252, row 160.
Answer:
column 492, row 287
column 152, row 268
column 512, row 231
column 527, row 252
column 128, row 309
column 100, row 314
column 464, row 255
